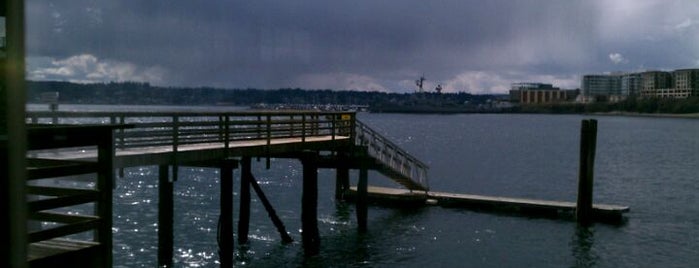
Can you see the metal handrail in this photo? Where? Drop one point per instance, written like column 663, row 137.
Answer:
column 391, row 154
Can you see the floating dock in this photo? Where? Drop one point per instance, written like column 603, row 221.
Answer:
column 526, row 207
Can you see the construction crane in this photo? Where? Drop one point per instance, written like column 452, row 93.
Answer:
column 419, row 83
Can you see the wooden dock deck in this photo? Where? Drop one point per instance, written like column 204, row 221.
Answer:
column 169, row 140
column 533, row 207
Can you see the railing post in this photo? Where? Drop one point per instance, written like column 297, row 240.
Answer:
column 291, row 119
column 175, row 145
column 303, row 128
column 269, row 131
column 175, row 133
column 221, row 128
column 227, row 130
column 269, row 140
column 259, row 126
column 333, row 125
column 353, row 127
column 121, row 133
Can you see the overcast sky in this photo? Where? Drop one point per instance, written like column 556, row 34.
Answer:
column 380, row 45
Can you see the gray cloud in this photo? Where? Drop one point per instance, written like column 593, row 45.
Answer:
column 476, row 46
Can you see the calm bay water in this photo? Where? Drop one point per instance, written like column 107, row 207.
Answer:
column 649, row 164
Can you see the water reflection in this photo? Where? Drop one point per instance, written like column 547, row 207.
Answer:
column 581, row 245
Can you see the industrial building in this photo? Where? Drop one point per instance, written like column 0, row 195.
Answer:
column 540, row 93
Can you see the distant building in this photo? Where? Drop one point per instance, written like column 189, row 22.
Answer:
column 686, row 81
column 681, row 83
column 539, row 93
column 601, row 86
column 656, row 83
column 631, row 84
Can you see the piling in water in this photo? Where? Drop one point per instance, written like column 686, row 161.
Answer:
column 588, row 143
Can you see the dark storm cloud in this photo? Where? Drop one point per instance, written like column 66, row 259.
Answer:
column 478, row 46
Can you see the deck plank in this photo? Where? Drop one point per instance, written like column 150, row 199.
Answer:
column 122, row 155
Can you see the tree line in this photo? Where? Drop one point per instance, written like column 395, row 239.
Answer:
column 136, row 93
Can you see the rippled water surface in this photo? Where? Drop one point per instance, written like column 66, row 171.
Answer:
column 649, row 164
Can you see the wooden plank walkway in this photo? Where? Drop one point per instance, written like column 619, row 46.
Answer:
column 562, row 209
column 139, row 156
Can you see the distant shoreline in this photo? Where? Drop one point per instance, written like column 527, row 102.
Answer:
column 661, row 115
column 449, row 111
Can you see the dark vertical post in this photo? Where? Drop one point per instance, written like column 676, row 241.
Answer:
column 362, row 195
column 105, row 184
column 13, row 140
column 309, row 205
column 165, row 217
column 225, row 237
column 341, row 182
column 244, row 216
column 588, row 143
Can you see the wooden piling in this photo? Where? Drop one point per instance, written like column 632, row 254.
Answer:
column 225, row 236
column 244, row 214
column 309, row 207
column 105, row 184
column 362, row 196
column 165, row 217
column 341, row 182
column 588, row 143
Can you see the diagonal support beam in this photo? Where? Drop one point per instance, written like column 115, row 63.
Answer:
column 270, row 211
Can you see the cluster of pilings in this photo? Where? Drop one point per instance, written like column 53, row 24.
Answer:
column 310, row 236
column 309, row 210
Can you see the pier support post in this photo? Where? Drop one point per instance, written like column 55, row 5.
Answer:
column 270, row 211
column 341, row 182
column 225, row 232
column 309, row 205
column 165, row 217
column 588, row 143
column 244, row 216
column 362, row 195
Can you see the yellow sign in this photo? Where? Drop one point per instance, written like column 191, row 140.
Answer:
column 345, row 117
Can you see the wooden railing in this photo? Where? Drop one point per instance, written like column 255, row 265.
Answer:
column 176, row 129
column 149, row 129
column 391, row 155
column 48, row 202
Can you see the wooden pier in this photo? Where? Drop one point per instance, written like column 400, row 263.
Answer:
column 220, row 140
column 101, row 142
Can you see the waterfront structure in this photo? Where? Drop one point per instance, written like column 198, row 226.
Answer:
column 229, row 141
column 601, row 86
column 224, row 140
column 681, row 83
column 540, row 93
